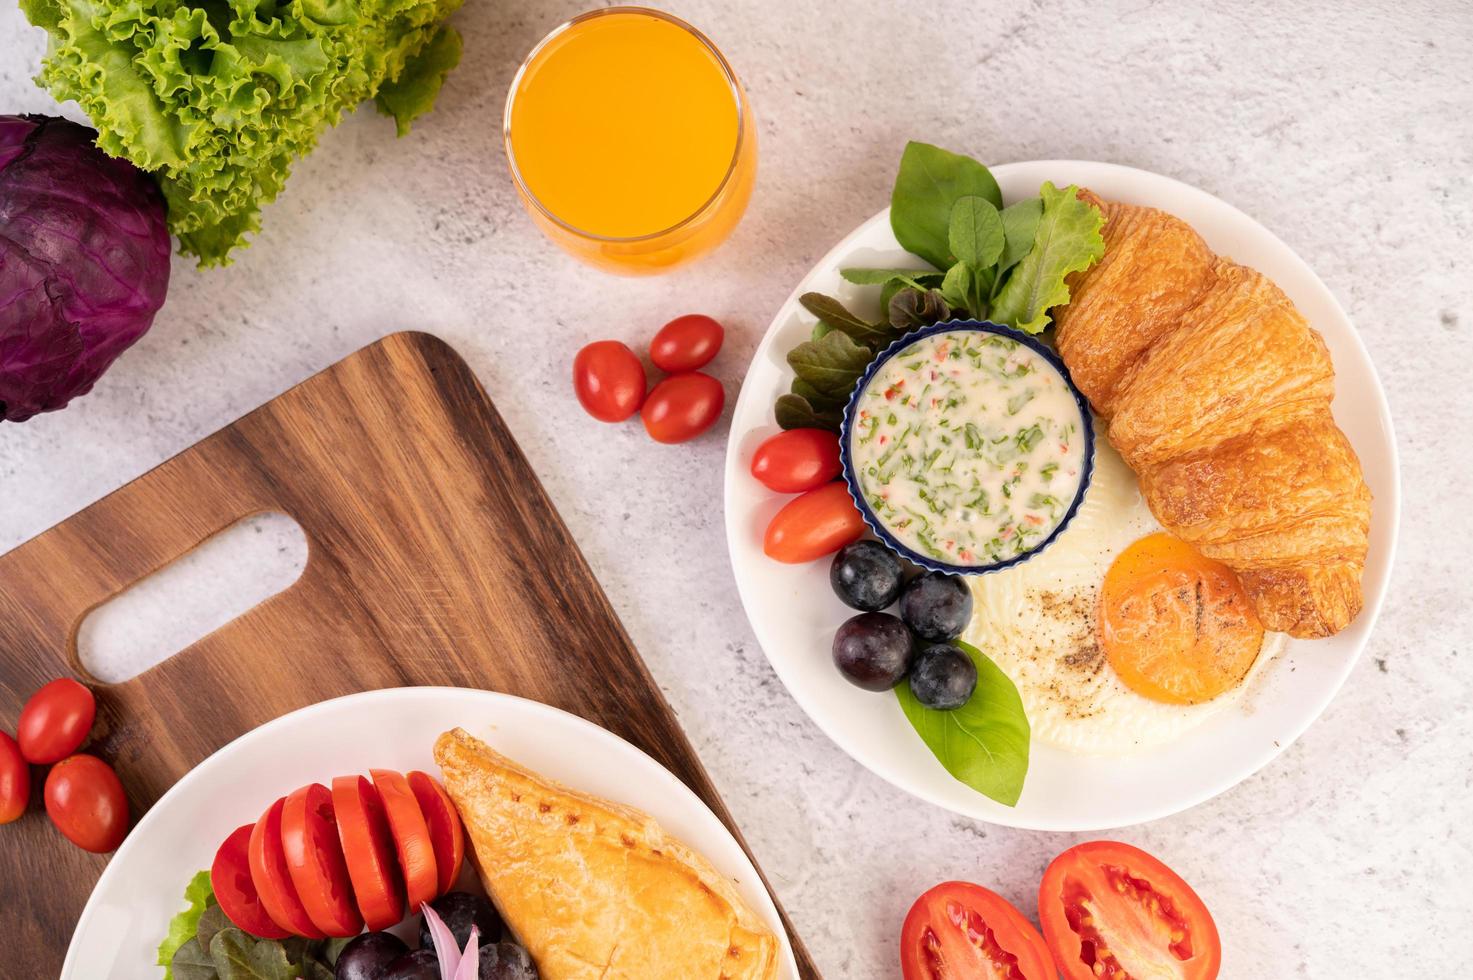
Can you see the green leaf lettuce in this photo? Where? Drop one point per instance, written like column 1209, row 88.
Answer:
column 1067, row 240
column 183, row 927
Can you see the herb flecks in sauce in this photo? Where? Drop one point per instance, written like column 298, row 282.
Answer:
column 967, row 446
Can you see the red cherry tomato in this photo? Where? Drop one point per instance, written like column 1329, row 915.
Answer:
column 797, row 460
column 15, row 780
column 961, row 931
column 816, row 524
column 85, row 799
column 1111, row 910
column 368, row 846
column 55, row 721
column 682, row 407
column 411, row 836
column 686, row 343
column 273, row 879
column 446, row 837
column 314, row 858
column 608, row 380
column 230, row 877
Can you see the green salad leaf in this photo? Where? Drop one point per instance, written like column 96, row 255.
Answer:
column 832, row 313
column 198, row 895
column 1067, row 240
column 830, row 366
column 1019, row 225
column 984, row 743
column 927, row 186
column 239, row 956
column 975, row 232
column 218, row 100
column 915, row 278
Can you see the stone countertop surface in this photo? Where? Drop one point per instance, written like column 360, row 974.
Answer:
column 1345, row 129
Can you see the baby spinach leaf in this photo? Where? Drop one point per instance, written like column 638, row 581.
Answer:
column 956, row 288
column 975, row 232
column 984, row 743
column 241, row 956
column 918, row 278
column 1068, row 240
column 832, row 312
column 183, row 927
column 795, row 412
column 211, row 922
column 192, row 962
column 832, row 365
column 815, row 397
column 1019, row 225
column 928, row 184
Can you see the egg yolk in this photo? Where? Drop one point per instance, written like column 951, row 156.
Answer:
column 1177, row 627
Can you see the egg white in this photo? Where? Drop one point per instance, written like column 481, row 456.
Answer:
column 1037, row 622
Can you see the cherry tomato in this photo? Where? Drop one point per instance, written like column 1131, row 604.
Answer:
column 55, row 721
column 961, row 931
column 85, row 799
column 15, row 780
column 411, row 836
column 314, row 858
column 816, row 524
column 608, row 380
column 446, row 837
column 368, row 846
column 230, row 877
column 682, row 407
column 1113, row 911
column 797, row 460
column 686, row 343
column 273, row 879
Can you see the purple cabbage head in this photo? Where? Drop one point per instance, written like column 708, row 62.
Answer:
column 84, row 261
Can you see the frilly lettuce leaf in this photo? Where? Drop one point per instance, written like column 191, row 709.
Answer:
column 1067, row 240
column 218, row 100
column 183, row 927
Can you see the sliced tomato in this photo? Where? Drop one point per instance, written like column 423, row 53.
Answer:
column 314, row 856
column 411, row 836
column 1111, row 910
column 961, row 931
column 272, row 879
column 230, row 877
column 446, row 837
column 368, row 847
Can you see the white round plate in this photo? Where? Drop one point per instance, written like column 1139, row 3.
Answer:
column 143, row 885
column 795, row 613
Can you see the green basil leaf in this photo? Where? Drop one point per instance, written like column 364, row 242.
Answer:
column 795, row 412
column 835, row 314
column 831, row 365
column 183, row 927
column 928, row 184
column 984, row 743
column 1019, row 225
column 240, row 956
column 1068, row 240
column 191, row 962
column 975, row 232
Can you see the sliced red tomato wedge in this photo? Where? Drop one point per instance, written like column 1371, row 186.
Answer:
column 314, row 856
column 230, row 877
column 961, row 931
column 1113, row 911
column 368, row 847
column 272, row 879
column 411, row 836
column 446, row 837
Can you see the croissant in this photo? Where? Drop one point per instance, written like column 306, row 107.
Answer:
column 1216, row 392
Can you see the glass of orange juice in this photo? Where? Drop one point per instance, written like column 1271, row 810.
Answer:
column 630, row 140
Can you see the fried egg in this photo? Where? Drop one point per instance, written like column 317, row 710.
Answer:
column 1118, row 635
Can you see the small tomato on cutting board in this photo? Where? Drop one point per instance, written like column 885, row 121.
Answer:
column 1110, row 910
column 797, row 460
column 15, row 780
column 686, row 343
column 55, row 721
column 962, row 931
column 608, row 380
column 85, row 799
column 818, row 523
column 230, row 877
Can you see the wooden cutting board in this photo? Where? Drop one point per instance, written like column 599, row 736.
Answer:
column 434, row 557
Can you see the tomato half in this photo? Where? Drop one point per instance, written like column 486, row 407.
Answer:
column 230, row 877
column 15, row 780
column 961, row 931
column 797, row 460
column 682, row 407
column 55, row 721
column 608, row 380
column 85, row 799
column 272, row 878
column 1111, row 910
column 368, row 847
column 314, row 858
column 446, row 836
column 816, row 524
column 411, row 837
column 686, row 343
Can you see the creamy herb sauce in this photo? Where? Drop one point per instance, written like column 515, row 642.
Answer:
column 968, row 447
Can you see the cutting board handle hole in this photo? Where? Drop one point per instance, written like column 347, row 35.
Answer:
column 223, row 577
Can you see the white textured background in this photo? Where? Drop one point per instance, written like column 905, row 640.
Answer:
column 1347, row 129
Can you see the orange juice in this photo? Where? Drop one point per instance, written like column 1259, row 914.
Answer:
column 630, row 140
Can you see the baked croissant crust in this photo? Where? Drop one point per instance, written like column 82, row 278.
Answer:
column 595, row 890
column 1217, row 393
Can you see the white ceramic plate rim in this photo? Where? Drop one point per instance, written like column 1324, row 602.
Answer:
column 653, row 788
column 753, row 411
